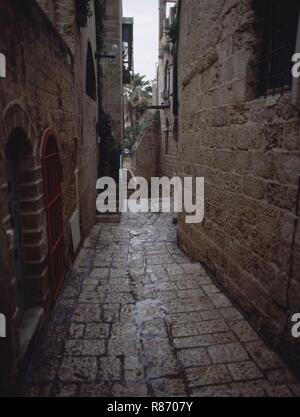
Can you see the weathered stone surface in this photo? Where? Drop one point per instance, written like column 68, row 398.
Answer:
column 246, row 146
column 78, row 369
column 213, row 374
column 265, row 358
column 144, row 348
column 244, row 371
column 169, row 387
column 43, row 90
column 97, row 331
column 193, row 357
column 110, row 369
column 232, row 352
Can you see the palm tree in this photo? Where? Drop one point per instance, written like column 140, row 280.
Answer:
column 138, row 95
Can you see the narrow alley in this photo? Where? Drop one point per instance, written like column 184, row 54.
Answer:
column 195, row 104
column 136, row 318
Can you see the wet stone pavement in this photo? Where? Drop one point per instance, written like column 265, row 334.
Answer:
column 137, row 318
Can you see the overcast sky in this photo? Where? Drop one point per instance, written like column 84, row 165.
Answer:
column 145, row 13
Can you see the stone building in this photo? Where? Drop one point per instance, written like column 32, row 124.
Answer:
column 239, row 127
column 110, row 61
column 166, row 87
column 76, row 23
column 156, row 151
column 48, row 159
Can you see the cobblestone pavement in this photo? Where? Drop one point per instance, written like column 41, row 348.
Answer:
column 137, row 318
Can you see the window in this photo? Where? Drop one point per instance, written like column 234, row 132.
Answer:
column 278, row 23
column 90, row 82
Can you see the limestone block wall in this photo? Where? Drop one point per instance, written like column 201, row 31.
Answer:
column 44, row 89
column 168, row 145
column 89, row 137
column 112, row 80
column 146, row 156
column 167, row 148
column 248, row 149
column 62, row 15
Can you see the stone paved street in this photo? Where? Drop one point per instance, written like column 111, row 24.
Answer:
column 137, row 318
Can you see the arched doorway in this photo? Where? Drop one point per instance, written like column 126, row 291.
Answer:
column 51, row 168
column 18, row 152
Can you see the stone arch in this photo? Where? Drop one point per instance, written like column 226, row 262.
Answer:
column 18, row 154
column 17, row 131
column 15, row 116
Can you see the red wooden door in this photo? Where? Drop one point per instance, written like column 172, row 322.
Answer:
column 53, row 204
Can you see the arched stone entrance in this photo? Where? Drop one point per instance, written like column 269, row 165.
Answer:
column 22, row 214
column 18, row 152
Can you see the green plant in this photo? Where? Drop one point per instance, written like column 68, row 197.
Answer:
column 137, row 98
column 131, row 135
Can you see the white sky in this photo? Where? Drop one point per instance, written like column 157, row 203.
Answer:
column 145, row 13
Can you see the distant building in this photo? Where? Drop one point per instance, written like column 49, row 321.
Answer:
column 166, row 87
column 110, row 61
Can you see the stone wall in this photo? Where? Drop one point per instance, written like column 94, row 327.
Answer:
column 62, row 14
column 248, row 150
column 112, row 79
column 167, row 150
column 168, row 145
column 146, row 154
column 44, row 88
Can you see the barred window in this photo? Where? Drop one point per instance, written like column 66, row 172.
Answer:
column 278, row 24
